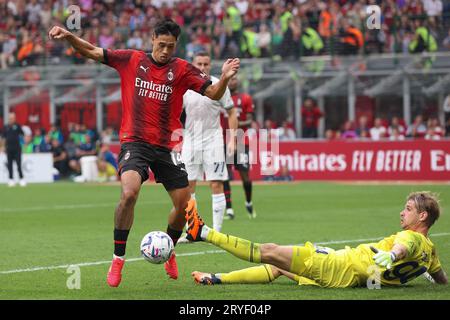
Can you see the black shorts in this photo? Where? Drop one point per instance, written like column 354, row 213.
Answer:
column 166, row 165
column 241, row 159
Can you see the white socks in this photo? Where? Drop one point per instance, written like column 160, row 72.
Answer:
column 204, row 233
column 218, row 207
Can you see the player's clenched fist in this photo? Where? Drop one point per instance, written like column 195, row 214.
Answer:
column 58, row 33
column 230, row 67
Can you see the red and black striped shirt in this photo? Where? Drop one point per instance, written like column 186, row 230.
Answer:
column 152, row 95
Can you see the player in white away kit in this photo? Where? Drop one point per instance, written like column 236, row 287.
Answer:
column 203, row 149
column 203, row 146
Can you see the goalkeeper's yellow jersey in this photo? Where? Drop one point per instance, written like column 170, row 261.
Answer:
column 353, row 266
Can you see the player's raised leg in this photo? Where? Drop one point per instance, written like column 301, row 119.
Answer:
column 123, row 220
column 279, row 256
column 259, row 274
column 265, row 273
column 176, row 223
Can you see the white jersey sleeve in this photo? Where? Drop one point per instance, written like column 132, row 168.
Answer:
column 203, row 117
column 226, row 100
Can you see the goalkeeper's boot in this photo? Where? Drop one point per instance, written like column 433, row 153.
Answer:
column 115, row 272
column 205, row 278
column 171, row 267
column 195, row 223
column 250, row 210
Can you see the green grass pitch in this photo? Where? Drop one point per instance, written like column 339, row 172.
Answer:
column 44, row 228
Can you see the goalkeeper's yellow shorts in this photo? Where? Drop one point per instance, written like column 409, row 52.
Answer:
column 323, row 267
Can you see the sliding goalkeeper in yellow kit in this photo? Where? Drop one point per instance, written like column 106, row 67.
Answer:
column 396, row 259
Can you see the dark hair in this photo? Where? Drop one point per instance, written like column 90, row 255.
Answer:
column 167, row 27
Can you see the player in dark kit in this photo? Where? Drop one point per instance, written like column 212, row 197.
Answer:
column 153, row 85
column 12, row 133
column 244, row 106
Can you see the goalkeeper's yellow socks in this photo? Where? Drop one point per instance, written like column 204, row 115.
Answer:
column 259, row 274
column 241, row 248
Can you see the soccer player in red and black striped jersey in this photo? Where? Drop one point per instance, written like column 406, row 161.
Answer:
column 243, row 103
column 152, row 85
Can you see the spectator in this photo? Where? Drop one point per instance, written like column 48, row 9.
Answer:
column 328, row 24
column 120, row 22
column 38, row 139
column 60, row 158
column 194, row 47
column 106, row 164
column 311, row 42
column 396, row 125
column 269, row 131
column 291, row 39
column 77, row 135
column 395, row 134
column 311, row 115
column 27, row 146
column 351, row 38
column 56, row 133
column 253, row 131
column 332, row 134
column 218, row 40
column 433, row 8
column 446, row 41
column 284, row 174
column 46, row 144
column 249, row 43
column 423, row 40
column 363, row 130
column 108, row 135
column 348, row 131
column 446, row 108
column 106, row 39
column 8, row 46
column 264, row 40
column 33, row 10
column 86, row 148
column 378, row 131
column 285, row 132
column 135, row 41
column 45, row 15
column 233, row 26
column 447, row 127
column 417, row 129
column 434, row 130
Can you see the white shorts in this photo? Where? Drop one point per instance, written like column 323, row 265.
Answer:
column 208, row 164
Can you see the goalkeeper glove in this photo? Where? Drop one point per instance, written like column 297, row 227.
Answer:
column 383, row 258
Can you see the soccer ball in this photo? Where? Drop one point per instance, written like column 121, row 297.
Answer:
column 156, row 247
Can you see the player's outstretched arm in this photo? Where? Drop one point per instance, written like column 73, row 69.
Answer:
column 229, row 69
column 83, row 47
column 440, row 277
column 387, row 258
column 232, row 125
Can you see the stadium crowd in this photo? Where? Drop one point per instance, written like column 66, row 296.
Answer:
column 244, row 28
column 393, row 129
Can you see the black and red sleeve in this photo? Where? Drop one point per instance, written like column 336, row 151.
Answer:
column 117, row 59
column 197, row 80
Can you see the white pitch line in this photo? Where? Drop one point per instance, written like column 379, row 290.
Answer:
column 74, row 206
column 87, row 264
